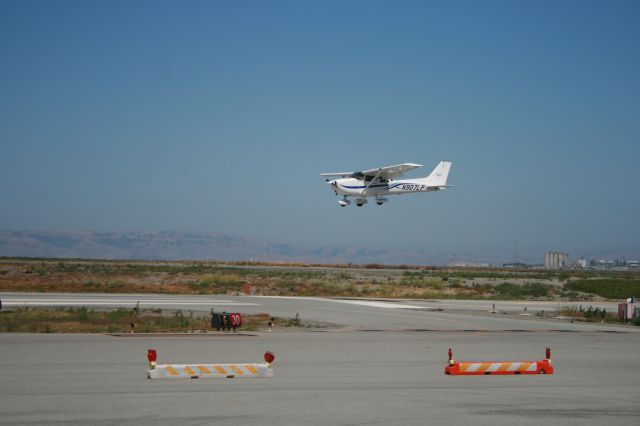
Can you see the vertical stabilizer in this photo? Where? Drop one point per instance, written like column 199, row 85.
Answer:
column 438, row 176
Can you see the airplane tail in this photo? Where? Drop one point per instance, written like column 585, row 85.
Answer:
column 438, row 176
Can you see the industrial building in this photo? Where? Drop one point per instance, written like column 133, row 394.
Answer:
column 556, row 260
column 616, row 265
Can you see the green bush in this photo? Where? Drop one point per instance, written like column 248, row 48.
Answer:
column 423, row 283
column 527, row 290
column 81, row 313
column 611, row 288
column 118, row 314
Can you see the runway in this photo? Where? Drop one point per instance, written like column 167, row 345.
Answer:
column 385, row 366
column 438, row 314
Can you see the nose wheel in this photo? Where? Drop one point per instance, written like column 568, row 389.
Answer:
column 344, row 202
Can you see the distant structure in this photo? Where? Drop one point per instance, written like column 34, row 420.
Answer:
column 515, row 265
column 582, row 263
column 556, row 260
column 616, row 265
column 468, row 265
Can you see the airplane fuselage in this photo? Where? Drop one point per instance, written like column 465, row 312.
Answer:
column 358, row 188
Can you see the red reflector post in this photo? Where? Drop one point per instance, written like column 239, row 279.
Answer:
column 269, row 357
column 152, row 355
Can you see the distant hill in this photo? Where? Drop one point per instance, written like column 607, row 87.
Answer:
column 173, row 245
column 170, row 245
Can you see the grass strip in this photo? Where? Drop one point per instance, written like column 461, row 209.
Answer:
column 84, row 320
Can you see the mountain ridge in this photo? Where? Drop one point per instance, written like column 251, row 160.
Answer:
column 184, row 245
column 193, row 245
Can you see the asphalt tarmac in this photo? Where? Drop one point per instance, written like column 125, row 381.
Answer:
column 386, row 366
column 353, row 313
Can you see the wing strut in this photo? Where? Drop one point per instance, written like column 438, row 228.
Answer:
column 373, row 180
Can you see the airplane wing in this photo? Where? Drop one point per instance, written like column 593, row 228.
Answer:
column 388, row 172
column 344, row 174
column 391, row 172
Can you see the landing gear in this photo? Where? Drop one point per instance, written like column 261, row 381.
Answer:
column 344, row 202
column 359, row 201
column 381, row 200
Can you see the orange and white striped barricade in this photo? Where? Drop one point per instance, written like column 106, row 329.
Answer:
column 466, row 368
column 207, row 370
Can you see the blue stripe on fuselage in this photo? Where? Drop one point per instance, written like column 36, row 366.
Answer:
column 395, row 185
column 380, row 185
column 363, row 186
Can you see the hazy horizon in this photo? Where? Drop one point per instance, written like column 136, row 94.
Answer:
column 195, row 245
column 219, row 117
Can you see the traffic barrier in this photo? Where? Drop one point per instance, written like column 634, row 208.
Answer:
column 208, row 371
column 456, row 368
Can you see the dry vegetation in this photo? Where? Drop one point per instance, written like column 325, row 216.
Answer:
column 191, row 277
column 591, row 314
column 83, row 320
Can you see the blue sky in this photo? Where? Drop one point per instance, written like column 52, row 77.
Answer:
column 219, row 116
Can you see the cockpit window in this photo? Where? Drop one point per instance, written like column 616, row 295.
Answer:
column 369, row 178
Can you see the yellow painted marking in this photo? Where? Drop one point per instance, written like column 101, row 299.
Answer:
column 251, row 368
column 504, row 366
column 172, row 371
column 190, row 371
column 524, row 366
column 483, row 367
column 236, row 370
column 203, row 369
column 220, row 369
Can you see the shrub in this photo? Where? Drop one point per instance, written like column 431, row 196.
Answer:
column 611, row 288
column 527, row 290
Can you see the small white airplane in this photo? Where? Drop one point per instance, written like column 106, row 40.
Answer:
column 383, row 181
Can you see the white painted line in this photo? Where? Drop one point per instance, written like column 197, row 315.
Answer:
column 386, row 305
column 45, row 302
column 112, row 299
